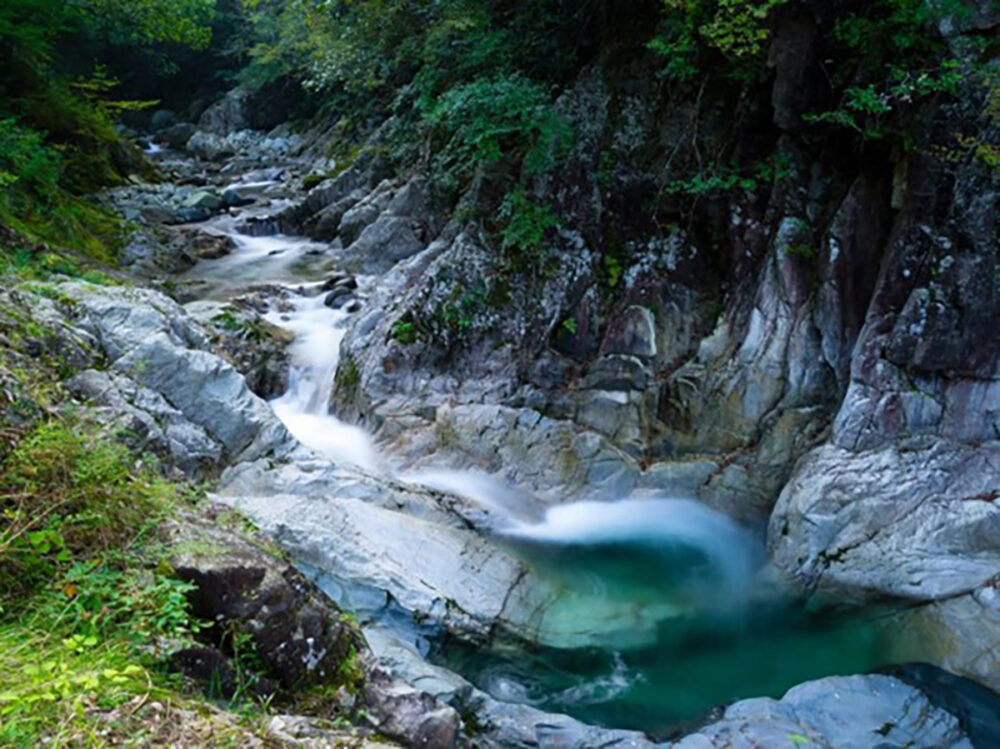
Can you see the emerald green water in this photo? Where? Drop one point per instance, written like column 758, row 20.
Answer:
column 719, row 633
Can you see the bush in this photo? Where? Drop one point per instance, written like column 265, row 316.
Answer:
column 493, row 117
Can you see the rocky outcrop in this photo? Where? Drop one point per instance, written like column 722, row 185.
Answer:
column 902, row 501
column 162, row 379
column 245, row 587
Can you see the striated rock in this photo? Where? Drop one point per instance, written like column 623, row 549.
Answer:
column 151, row 340
column 147, row 422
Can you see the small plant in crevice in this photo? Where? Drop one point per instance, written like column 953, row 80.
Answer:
column 525, row 224
column 405, row 332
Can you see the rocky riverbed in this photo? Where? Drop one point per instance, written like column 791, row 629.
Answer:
column 430, row 492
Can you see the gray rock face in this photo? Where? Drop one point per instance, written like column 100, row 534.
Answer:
column 152, row 341
column 148, row 421
column 209, row 146
column 917, row 523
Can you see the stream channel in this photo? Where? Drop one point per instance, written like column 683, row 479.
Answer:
column 703, row 624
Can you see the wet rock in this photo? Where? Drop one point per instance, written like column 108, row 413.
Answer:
column 257, row 348
column 338, row 297
column 857, row 711
column 340, row 280
column 210, row 246
column 352, row 307
column 233, row 198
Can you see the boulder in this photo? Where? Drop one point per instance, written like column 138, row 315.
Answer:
column 384, row 243
column 845, row 711
column 209, row 146
column 151, row 340
column 241, row 587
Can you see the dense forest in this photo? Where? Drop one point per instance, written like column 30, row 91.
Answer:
column 495, row 373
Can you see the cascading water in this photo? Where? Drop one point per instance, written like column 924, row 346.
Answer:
column 662, row 612
column 318, row 331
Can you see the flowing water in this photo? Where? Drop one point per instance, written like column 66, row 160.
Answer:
column 691, row 621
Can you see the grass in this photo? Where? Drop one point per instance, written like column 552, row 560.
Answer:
column 88, row 603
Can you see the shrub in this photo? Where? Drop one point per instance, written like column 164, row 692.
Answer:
column 492, row 117
column 525, row 223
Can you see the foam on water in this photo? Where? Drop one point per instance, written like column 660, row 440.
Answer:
column 315, row 351
column 726, row 550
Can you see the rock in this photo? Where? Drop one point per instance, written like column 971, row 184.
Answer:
column 217, row 675
column 227, row 115
column 210, row 246
column 920, row 524
column 153, row 251
column 408, row 715
column 384, row 243
column 298, row 635
column 844, row 711
column 176, row 136
column 161, row 120
column 148, row 423
column 352, row 307
column 232, row 198
column 208, row 200
column 340, row 280
column 325, row 225
column 338, row 297
column 632, row 334
column 151, row 340
column 209, row 146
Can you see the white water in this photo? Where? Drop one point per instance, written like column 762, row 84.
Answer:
column 300, row 265
column 732, row 553
column 304, row 408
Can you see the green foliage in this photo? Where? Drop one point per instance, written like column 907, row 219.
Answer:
column 145, row 22
column 29, row 169
column 405, row 332
column 726, row 178
column 613, row 270
column 82, row 609
column 867, row 109
column 67, row 497
column 738, row 29
column 494, row 117
column 888, row 58
column 525, row 223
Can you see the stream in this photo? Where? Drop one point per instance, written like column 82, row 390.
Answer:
column 690, row 617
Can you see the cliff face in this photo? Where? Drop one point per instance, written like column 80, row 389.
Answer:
column 678, row 335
